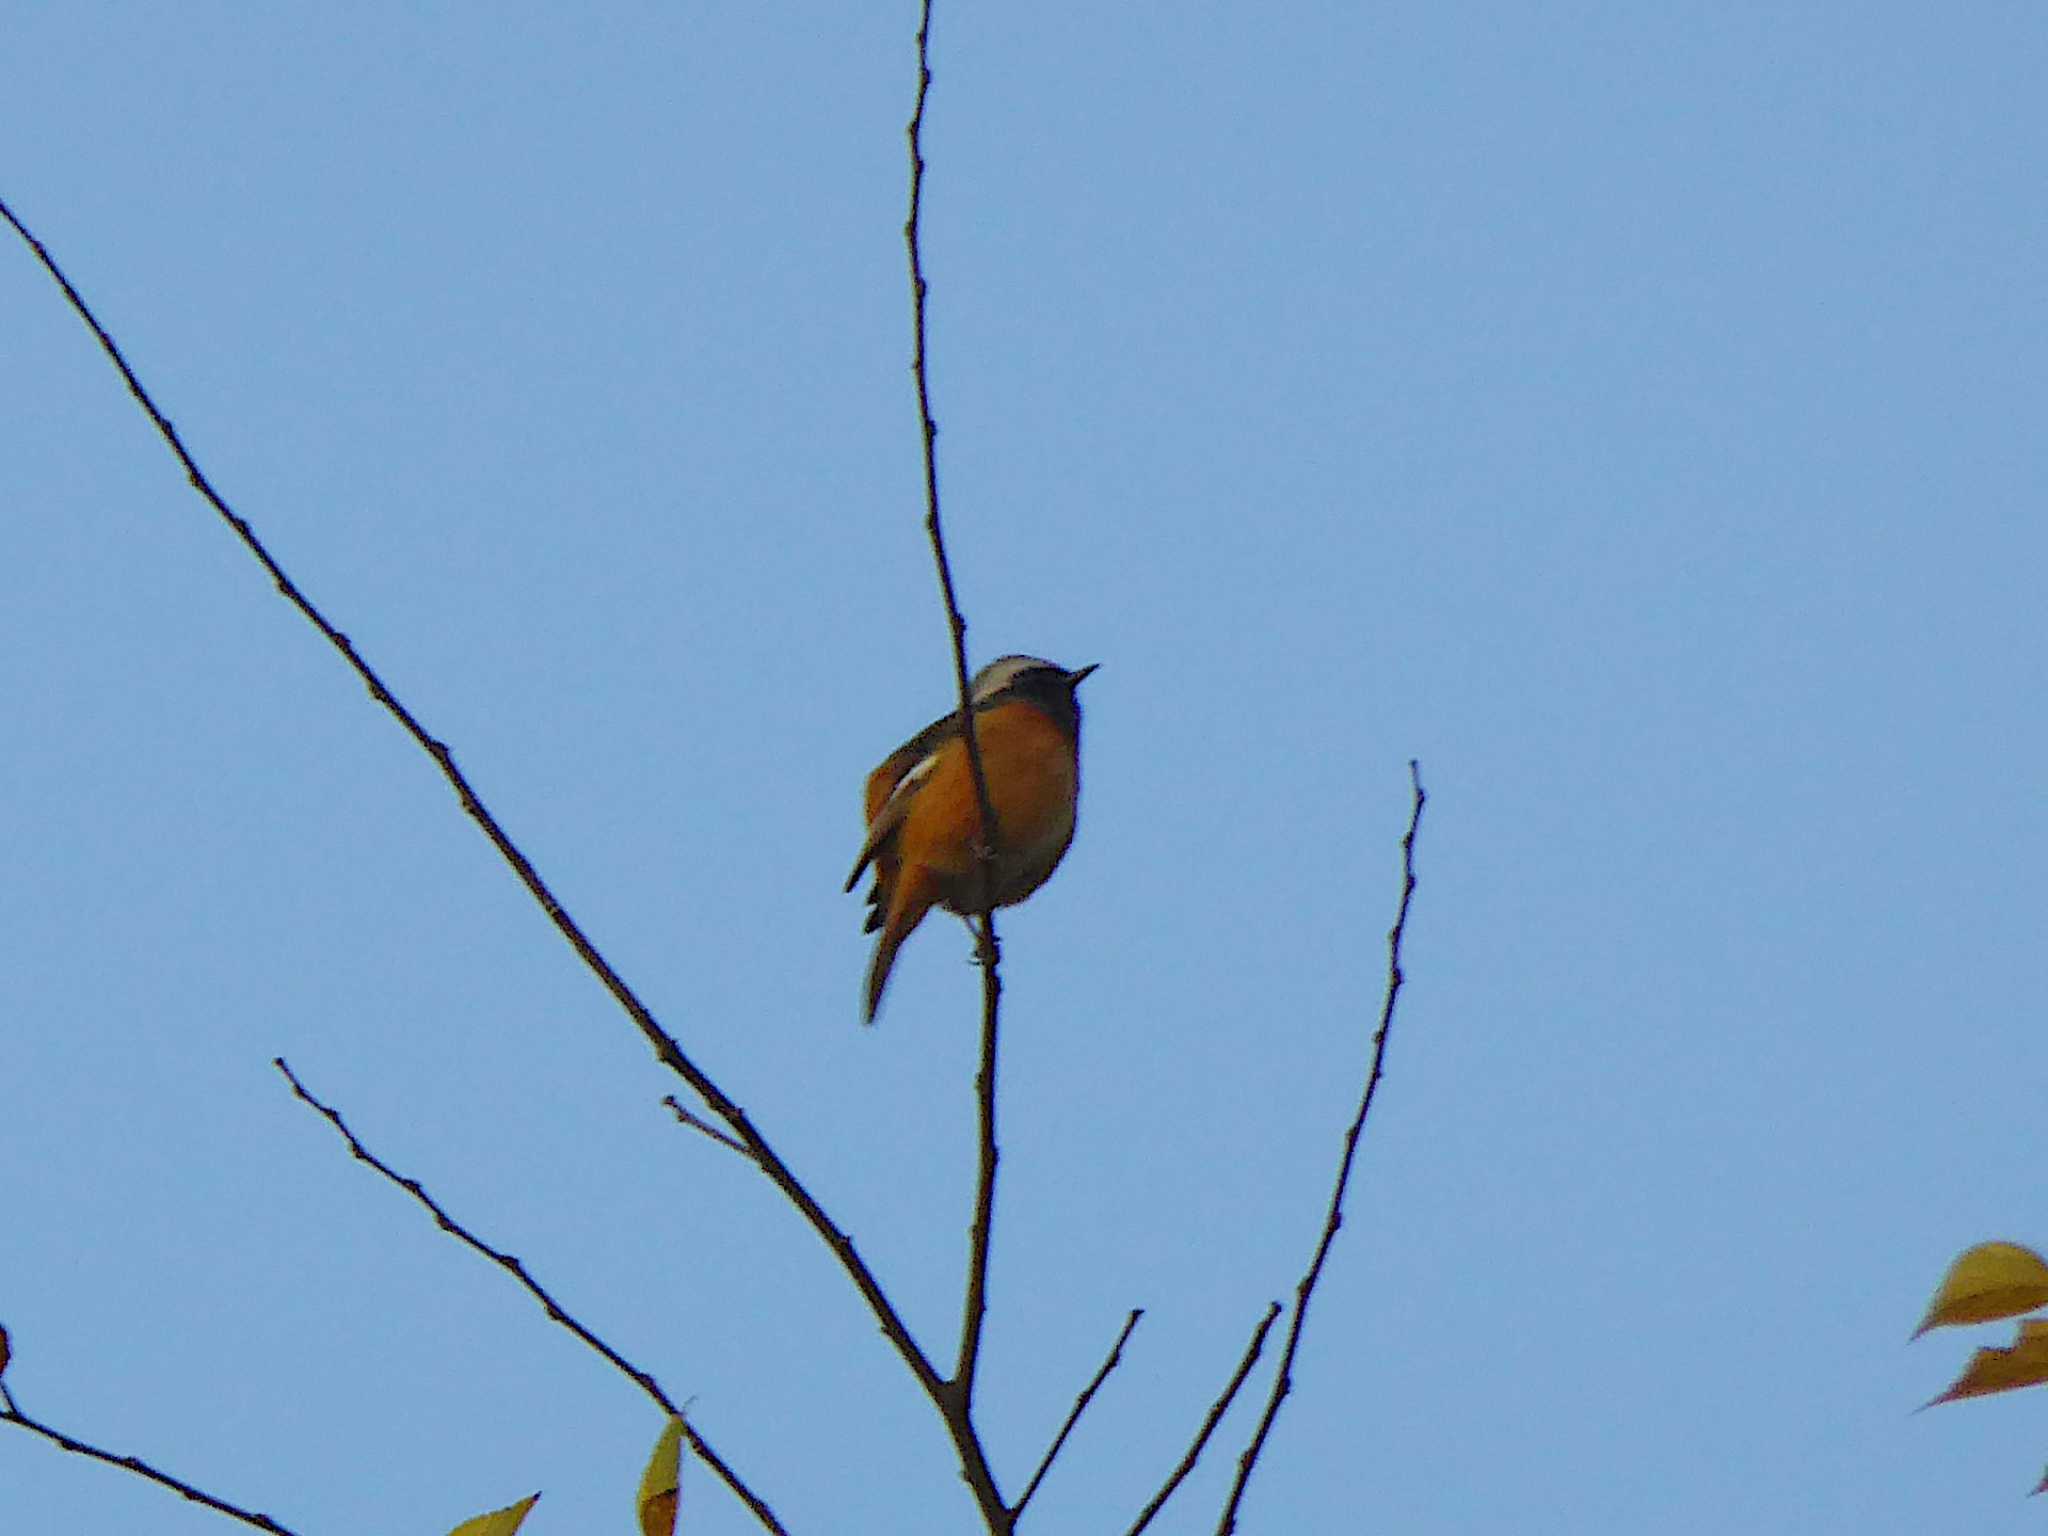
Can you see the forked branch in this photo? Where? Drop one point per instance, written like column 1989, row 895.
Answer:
column 666, row 1049
column 556, row 1312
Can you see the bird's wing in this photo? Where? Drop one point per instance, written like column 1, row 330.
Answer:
column 884, row 821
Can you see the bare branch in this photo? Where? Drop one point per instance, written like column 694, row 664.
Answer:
column 1215, row 1416
column 554, row 1309
column 455, row 1229
column 957, row 1405
column 929, row 428
column 665, row 1046
column 974, row 1311
column 1305, row 1291
column 10, row 1413
column 1116, row 1355
column 697, row 1123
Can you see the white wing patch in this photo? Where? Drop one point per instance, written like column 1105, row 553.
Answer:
column 891, row 815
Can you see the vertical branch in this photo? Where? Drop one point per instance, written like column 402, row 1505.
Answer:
column 920, row 370
column 974, row 1311
column 1283, row 1379
column 960, row 1389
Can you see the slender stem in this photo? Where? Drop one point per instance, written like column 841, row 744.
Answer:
column 920, row 369
column 554, row 1309
column 1116, row 1355
column 556, row 1312
column 1214, row 1417
column 975, row 1311
column 959, row 1400
column 10, row 1413
column 686, row 1116
column 1305, row 1291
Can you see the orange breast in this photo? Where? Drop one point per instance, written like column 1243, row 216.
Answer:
column 1032, row 779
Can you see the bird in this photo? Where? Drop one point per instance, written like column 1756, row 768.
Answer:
column 924, row 822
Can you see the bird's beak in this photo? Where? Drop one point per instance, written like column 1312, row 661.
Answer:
column 1074, row 677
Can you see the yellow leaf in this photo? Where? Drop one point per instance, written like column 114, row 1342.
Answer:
column 661, row 1483
column 1987, row 1282
column 2004, row 1370
column 499, row 1522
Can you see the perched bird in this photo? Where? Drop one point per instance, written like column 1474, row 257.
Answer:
column 924, row 823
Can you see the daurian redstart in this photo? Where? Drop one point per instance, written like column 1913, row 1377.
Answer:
column 924, row 823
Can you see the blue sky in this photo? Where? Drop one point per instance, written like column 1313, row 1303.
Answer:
column 1634, row 413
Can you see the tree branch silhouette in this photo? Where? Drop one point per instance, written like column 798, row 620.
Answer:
column 1116, row 1355
column 958, row 1405
column 666, row 1049
column 689, row 1117
column 10, row 1413
column 555, row 1310
column 953, row 1394
column 1283, row 1380
column 1209, row 1422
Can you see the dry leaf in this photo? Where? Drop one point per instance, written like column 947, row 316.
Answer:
column 499, row 1522
column 660, row 1484
column 2004, row 1370
column 1986, row 1283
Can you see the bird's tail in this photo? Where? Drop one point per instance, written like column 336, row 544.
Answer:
column 908, row 903
column 878, row 972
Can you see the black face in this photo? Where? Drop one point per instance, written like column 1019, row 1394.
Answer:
column 1039, row 683
column 1002, row 673
column 1006, row 672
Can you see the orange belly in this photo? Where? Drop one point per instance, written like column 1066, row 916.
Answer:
column 930, row 858
column 1029, row 767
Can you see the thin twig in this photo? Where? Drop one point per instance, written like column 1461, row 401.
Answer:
column 555, row 1310
column 10, row 1413
column 959, row 1404
column 974, row 1312
column 1116, row 1355
column 929, row 430
column 665, row 1046
column 1305, row 1291
column 698, row 1123
column 510, row 1263
column 1215, row 1416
